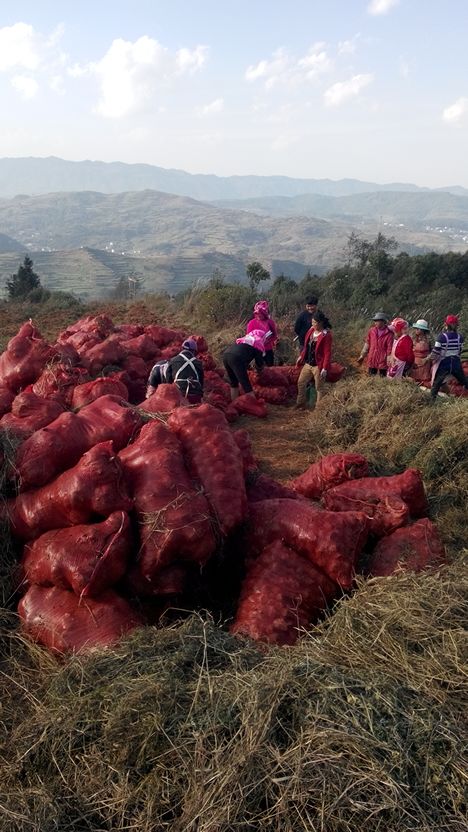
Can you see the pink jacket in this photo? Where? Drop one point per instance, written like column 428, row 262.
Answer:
column 266, row 325
column 379, row 347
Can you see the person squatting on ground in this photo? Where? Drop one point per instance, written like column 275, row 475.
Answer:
column 377, row 346
column 422, row 347
column 238, row 357
column 401, row 358
column 263, row 322
column 315, row 358
column 445, row 356
column 304, row 319
column 184, row 370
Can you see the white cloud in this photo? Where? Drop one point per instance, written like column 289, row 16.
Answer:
column 342, row 90
column 381, row 6
column 215, row 106
column 26, row 86
column 456, row 112
column 131, row 73
column 285, row 69
column 348, row 47
column 20, row 48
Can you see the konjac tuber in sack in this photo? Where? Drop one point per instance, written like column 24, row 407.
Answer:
column 408, row 486
column 174, row 517
column 281, row 594
column 95, row 486
column 215, row 460
column 411, row 549
column 61, row 621
column 61, row 444
column 385, row 514
column 331, row 540
column 329, row 471
column 87, row 559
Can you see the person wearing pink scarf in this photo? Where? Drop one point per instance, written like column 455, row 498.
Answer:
column 262, row 321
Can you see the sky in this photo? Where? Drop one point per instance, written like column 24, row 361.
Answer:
column 366, row 89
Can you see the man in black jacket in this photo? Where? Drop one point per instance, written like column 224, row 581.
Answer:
column 304, row 320
column 184, row 370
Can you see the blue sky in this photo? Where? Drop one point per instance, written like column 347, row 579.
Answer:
column 368, row 89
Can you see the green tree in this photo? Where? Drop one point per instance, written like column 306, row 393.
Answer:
column 256, row 273
column 24, row 281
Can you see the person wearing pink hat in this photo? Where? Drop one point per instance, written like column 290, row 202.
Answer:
column 445, row 356
column 262, row 321
column 238, row 357
column 401, row 358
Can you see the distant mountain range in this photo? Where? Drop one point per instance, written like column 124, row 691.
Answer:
column 47, row 175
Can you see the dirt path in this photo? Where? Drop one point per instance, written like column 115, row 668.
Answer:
column 280, row 442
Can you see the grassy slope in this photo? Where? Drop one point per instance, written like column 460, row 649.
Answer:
column 187, row 728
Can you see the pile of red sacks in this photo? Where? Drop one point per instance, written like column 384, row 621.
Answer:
column 118, row 509
column 451, row 386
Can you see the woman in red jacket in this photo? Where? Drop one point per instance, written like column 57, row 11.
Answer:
column 402, row 357
column 377, row 346
column 315, row 358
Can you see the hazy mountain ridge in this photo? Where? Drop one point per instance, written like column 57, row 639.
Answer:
column 32, row 175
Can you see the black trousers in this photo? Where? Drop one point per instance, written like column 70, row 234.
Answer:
column 373, row 371
column 454, row 369
column 269, row 358
column 236, row 366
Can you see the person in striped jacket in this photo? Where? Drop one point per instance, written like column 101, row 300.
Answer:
column 445, row 356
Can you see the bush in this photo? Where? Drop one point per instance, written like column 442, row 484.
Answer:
column 219, row 303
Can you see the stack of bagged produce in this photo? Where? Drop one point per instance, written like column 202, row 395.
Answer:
column 117, row 510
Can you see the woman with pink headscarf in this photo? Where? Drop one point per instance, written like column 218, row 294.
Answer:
column 262, row 321
column 401, row 358
column 238, row 358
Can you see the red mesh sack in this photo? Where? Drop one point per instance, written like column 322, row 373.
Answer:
column 244, row 443
column 230, row 413
column 250, row 406
column 329, row 471
column 87, row 559
column 408, row 486
column 215, row 459
column 411, row 549
column 168, row 580
column 285, row 376
column 335, row 372
column 135, row 367
column 282, row 594
column 95, row 486
column 270, row 377
column 24, row 358
column 456, row 389
column 209, row 364
column 61, row 444
column 214, row 384
column 216, row 400
column 106, row 352
column 130, row 330
column 162, row 336
column 266, row 488
column 272, row 395
column 58, row 382
column 6, row 400
column 202, row 345
column 165, row 398
column 100, row 325
column 174, row 516
column 385, row 514
column 170, row 351
column 88, row 392
column 332, row 541
column 29, row 413
column 142, row 345
column 64, row 623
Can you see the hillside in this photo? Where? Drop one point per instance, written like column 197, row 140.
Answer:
column 417, row 210
column 43, row 175
column 9, row 244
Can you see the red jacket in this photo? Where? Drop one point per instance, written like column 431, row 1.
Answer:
column 404, row 349
column 379, row 347
column 323, row 346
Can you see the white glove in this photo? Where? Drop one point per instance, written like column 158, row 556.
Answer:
column 323, row 375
